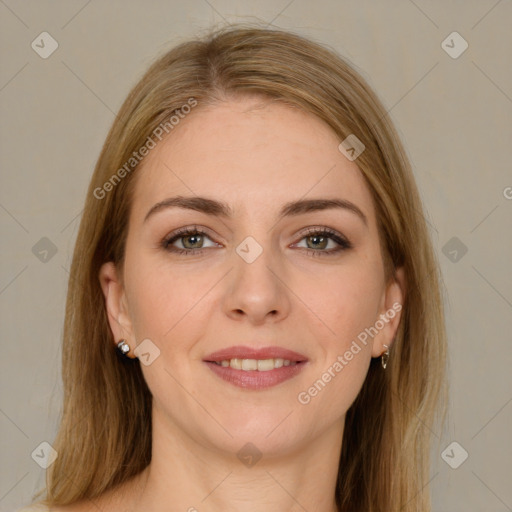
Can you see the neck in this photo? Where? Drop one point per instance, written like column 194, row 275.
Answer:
column 195, row 476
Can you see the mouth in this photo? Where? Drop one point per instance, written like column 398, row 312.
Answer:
column 260, row 365
column 256, row 368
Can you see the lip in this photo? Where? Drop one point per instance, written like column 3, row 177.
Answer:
column 254, row 379
column 244, row 352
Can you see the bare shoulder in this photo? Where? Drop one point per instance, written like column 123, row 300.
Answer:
column 114, row 499
column 80, row 506
column 74, row 507
column 39, row 507
column 35, row 507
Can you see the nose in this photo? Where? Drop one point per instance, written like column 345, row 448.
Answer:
column 257, row 291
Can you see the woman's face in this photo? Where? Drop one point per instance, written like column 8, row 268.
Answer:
column 261, row 275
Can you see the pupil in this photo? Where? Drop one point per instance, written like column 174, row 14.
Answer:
column 316, row 238
column 192, row 237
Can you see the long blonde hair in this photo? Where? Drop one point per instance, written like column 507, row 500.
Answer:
column 104, row 438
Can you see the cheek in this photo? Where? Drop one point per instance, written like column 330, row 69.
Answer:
column 150, row 302
column 348, row 307
column 348, row 303
column 333, row 391
column 163, row 300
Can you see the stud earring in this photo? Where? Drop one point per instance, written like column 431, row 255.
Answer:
column 385, row 357
column 123, row 347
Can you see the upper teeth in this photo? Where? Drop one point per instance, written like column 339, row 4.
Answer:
column 262, row 365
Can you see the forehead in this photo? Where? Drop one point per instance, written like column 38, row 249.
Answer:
column 250, row 152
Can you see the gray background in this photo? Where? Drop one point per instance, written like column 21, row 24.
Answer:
column 452, row 113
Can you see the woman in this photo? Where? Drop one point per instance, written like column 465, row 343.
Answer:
column 253, row 319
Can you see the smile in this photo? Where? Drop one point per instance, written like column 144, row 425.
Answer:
column 256, row 374
column 261, row 365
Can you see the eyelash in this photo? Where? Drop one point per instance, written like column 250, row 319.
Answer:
column 344, row 244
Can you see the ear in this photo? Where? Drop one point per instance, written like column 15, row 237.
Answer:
column 390, row 313
column 116, row 306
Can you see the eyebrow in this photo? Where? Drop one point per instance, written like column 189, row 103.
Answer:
column 221, row 209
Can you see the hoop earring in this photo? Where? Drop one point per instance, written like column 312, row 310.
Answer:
column 384, row 358
column 123, row 347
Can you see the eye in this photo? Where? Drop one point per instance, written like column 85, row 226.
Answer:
column 190, row 238
column 318, row 239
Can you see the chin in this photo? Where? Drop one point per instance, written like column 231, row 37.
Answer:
column 273, row 432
